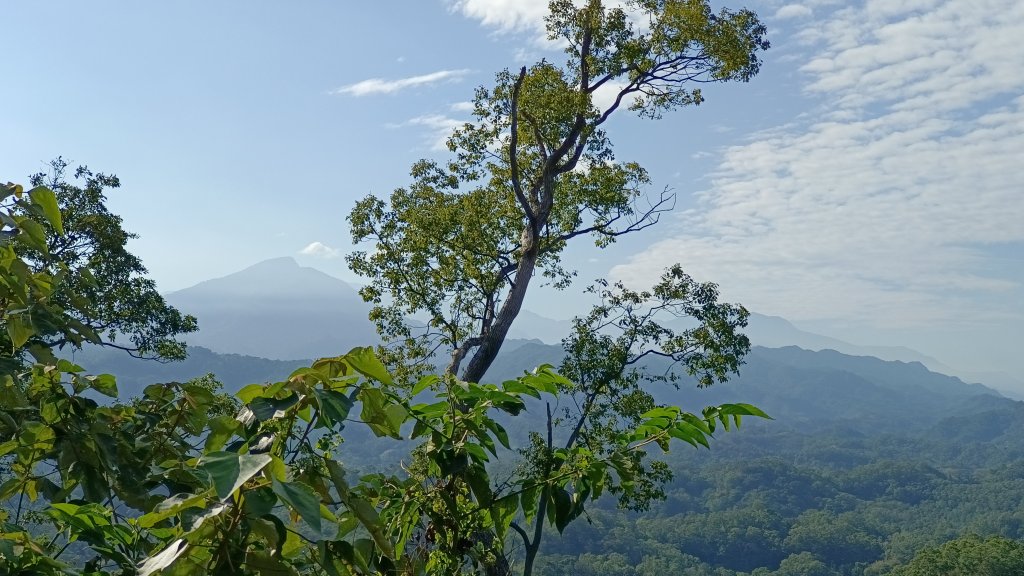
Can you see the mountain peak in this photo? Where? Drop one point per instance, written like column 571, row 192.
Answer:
column 282, row 263
column 278, row 278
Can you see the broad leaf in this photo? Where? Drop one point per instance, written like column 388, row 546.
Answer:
column 19, row 328
column 46, row 200
column 366, row 363
column 303, row 500
column 163, row 559
column 229, row 471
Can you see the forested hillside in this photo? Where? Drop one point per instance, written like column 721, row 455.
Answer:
column 866, row 463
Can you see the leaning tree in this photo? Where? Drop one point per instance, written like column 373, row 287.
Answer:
column 534, row 170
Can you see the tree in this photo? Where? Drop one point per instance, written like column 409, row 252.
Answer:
column 969, row 555
column 186, row 480
column 126, row 308
column 608, row 403
column 533, row 171
column 803, row 564
column 536, row 169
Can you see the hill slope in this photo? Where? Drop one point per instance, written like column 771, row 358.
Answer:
column 278, row 310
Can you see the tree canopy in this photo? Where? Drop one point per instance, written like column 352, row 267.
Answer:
column 536, row 169
column 125, row 307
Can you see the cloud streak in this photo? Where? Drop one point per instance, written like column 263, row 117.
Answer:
column 382, row 86
column 882, row 206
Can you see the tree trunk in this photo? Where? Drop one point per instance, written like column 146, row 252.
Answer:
column 490, row 343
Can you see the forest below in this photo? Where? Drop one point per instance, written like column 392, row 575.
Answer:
column 866, row 464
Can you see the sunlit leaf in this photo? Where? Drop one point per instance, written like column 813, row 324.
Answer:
column 163, row 559
column 366, row 363
column 46, row 200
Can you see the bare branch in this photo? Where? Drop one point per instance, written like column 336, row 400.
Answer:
column 513, row 150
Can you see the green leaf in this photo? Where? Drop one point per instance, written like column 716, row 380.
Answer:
column 280, row 531
column 529, row 499
column 519, row 387
column 424, row 383
column 250, row 392
column 8, row 447
column 34, row 235
column 366, row 363
column 502, row 511
column 382, row 416
column 499, row 432
column 303, row 500
column 105, row 384
column 267, row 564
column 480, row 483
column 360, row 508
column 259, row 502
column 170, row 507
column 743, row 410
column 229, row 471
column 334, row 406
column 270, row 408
column 20, row 329
column 46, row 200
column 221, row 429
column 561, row 505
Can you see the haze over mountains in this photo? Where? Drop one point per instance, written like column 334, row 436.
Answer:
column 279, row 310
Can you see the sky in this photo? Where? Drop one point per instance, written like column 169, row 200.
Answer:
column 865, row 185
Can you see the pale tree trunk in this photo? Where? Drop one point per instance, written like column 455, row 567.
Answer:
column 490, row 343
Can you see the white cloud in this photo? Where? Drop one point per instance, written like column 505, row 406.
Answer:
column 439, row 128
column 790, row 11
column 320, row 250
column 462, row 107
column 526, row 16
column 504, row 15
column 880, row 207
column 382, row 86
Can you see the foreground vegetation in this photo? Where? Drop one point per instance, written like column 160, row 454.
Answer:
column 188, row 479
column 185, row 480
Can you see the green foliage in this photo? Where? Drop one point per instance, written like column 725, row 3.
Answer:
column 90, row 250
column 170, row 484
column 30, row 298
column 534, row 170
column 187, row 480
column 968, row 556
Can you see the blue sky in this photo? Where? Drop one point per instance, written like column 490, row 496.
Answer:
column 866, row 185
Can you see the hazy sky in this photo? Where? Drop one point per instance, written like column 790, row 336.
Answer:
column 866, row 185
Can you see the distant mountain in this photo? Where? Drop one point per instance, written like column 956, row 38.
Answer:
column 777, row 332
column 768, row 331
column 232, row 370
column 278, row 310
column 821, row 389
column 530, row 325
